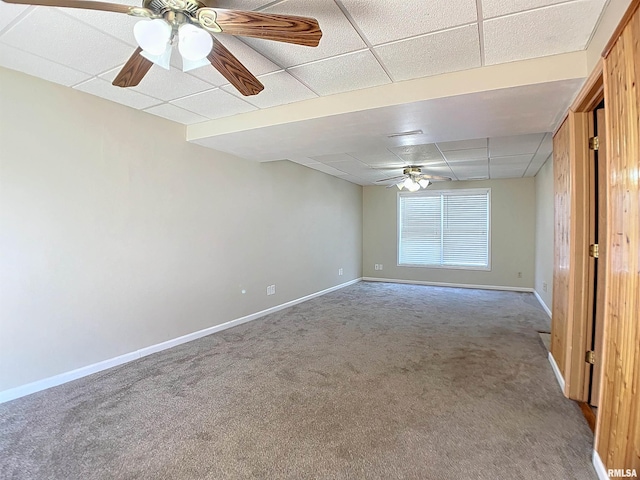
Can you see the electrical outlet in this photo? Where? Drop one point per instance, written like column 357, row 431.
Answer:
column 376, row 266
column 544, row 286
column 339, row 271
column 269, row 290
column 380, row 267
column 273, row 289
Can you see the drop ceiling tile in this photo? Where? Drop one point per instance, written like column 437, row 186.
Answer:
column 352, row 167
column 242, row 4
column 433, row 54
column 471, row 172
column 9, row 12
column 378, row 157
column 463, row 144
column 321, row 167
column 437, row 170
column 464, row 155
column 547, row 31
column 470, row 163
column 514, row 145
column 214, row 104
column 165, row 84
column 417, row 154
column 331, row 158
column 338, row 35
column 512, row 160
column 39, row 67
column 256, row 63
column 546, row 147
column 176, row 114
column 344, row 73
column 495, row 8
column 126, row 96
column 387, row 21
column 50, row 34
column 536, row 163
column 506, row 171
column 116, row 25
column 302, row 160
column 279, row 88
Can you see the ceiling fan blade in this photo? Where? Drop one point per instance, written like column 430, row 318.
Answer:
column 269, row 26
column 90, row 5
column 426, row 176
column 397, row 167
column 133, row 71
column 392, row 178
column 234, row 71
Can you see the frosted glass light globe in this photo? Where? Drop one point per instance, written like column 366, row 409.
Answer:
column 194, row 43
column 424, row 183
column 414, row 187
column 152, row 35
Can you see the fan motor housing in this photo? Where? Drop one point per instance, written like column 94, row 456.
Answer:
column 412, row 171
column 188, row 7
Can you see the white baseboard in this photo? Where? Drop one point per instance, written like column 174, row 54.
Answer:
column 599, row 466
column 56, row 380
column 542, row 304
column 557, row 372
column 454, row 285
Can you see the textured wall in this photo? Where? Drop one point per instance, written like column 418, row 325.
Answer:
column 117, row 234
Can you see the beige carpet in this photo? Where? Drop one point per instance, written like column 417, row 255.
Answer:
column 374, row 381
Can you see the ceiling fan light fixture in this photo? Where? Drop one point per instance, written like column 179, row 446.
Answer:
column 163, row 60
column 194, row 44
column 399, row 185
column 188, row 65
column 152, row 35
column 408, row 183
column 424, row 183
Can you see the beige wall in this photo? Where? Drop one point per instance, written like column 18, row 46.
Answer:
column 512, row 236
column 116, row 234
column 544, row 233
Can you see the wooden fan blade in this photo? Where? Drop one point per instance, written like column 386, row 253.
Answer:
column 392, row 178
column 133, row 71
column 234, row 71
column 89, row 5
column 269, row 26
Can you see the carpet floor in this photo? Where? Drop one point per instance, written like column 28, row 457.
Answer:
column 373, row 381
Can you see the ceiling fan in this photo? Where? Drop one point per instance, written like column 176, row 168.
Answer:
column 192, row 23
column 412, row 179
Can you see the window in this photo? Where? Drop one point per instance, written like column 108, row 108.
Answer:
column 447, row 228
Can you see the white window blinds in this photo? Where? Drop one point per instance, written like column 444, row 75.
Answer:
column 444, row 228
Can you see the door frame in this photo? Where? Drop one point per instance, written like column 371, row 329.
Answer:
column 579, row 328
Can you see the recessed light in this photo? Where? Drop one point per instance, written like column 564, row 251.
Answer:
column 405, row 134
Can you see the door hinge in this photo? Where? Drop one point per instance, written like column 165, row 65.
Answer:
column 594, row 143
column 590, row 357
column 594, row 250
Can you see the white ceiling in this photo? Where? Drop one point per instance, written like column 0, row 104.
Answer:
column 365, row 44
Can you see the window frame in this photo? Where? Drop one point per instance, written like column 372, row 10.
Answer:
column 438, row 193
